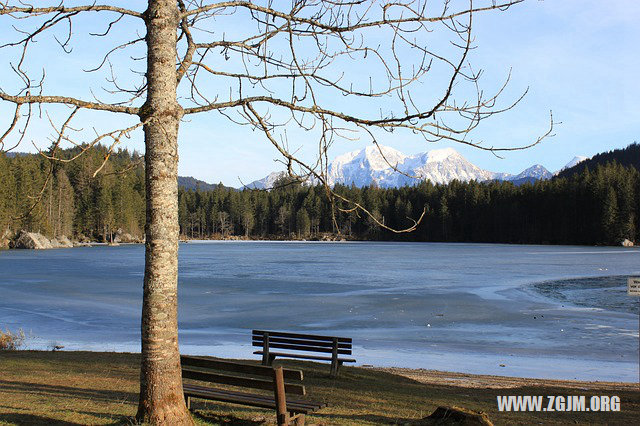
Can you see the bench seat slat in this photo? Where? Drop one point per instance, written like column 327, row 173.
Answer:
column 195, row 390
column 225, row 396
column 259, row 340
column 302, row 356
column 234, row 367
column 301, row 336
column 297, row 406
column 305, row 348
column 188, row 373
column 334, row 346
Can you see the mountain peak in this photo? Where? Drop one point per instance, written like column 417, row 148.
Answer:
column 439, row 155
column 537, row 171
column 267, row 182
column 380, row 158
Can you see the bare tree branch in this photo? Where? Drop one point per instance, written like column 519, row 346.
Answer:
column 65, row 100
column 315, row 23
column 5, row 9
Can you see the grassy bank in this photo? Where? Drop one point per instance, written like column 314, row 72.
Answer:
column 67, row 388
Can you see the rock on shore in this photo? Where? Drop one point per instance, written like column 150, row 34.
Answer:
column 36, row 241
column 61, row 242
column 124, row 237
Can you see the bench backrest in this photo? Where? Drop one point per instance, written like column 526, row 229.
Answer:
column 301, row 342
column 212, row 370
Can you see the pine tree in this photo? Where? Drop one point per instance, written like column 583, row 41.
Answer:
column 8, row 192
column 303, row 223
column 610, row 229
column 64, row 205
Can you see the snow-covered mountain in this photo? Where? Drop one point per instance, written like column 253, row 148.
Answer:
column 443, row 166
column 372, row 165
column 576, row 160
column 266, row 182
column 366, row 166
column 530, row 175
column 536, row 171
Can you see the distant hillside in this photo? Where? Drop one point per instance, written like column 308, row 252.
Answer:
column 523, row 180
column 16, row 154
column 184, row 182
column 627, row 157
column 191, row 183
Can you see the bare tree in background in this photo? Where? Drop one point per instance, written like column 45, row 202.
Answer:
column 338, row 69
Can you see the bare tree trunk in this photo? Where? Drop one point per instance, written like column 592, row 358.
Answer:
column 161, row 397
column 58, row 227
column 50, row 209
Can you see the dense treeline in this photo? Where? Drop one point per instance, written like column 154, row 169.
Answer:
column 598, row 205
column 593, row 207
column 63, row 198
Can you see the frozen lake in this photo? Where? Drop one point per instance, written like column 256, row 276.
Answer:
column 534, row 311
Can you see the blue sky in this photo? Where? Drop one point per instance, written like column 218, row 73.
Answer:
column 577, row 57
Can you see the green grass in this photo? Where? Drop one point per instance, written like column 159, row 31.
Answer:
column 69, row 388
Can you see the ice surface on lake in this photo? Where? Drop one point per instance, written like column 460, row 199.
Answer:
column 541, row 311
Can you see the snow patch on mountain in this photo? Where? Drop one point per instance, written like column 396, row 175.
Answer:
column 440, row 155
column 267, row 182
column 366, row 166
column 576, row 160
column 441, row 166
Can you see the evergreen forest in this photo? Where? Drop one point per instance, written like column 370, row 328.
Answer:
column 596, row 202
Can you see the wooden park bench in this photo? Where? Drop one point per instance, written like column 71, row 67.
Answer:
column 335, row 347
column 281, row 382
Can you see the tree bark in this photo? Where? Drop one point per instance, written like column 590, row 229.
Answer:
column 161, row 397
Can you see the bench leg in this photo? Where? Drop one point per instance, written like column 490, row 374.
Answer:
column 334, row 369
column 282, row 419
column 282, row 415
column 334, row 359
column 266, row 356
column 187, row 400
column 297, row 420
column 267, row 359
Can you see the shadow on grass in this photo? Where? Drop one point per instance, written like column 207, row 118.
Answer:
column 217, row 419
column 31, row 419
column 66, row 391
column 375, row 419
column 115, row 419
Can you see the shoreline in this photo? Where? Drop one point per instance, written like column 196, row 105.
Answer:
column 486, row 381
column 421, row 375
column 484, row 369
column 321, row 239
column 333, row 238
